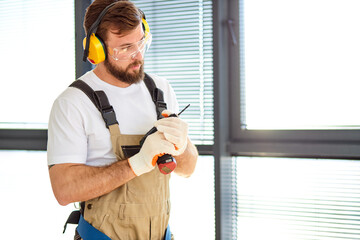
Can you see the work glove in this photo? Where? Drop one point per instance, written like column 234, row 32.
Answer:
column 175, row 131
column 155, row 145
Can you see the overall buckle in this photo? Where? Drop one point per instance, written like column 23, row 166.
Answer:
column 109, row 116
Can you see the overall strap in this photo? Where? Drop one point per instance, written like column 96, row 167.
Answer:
column 100, row 101
column 157, row 95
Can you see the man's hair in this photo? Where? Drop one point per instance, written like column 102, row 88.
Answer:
column 121, row 18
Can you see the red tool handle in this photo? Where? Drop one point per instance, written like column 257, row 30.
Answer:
column 166, row 163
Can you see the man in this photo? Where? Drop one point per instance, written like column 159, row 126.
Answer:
column 124, row 197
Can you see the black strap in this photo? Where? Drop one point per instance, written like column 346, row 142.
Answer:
column 100, row 100
column 72, row 219
column 86, row 89
column 157, row 95
column 107, row 111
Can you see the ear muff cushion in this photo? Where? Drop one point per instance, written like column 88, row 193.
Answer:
column 97, row 51
column 146, row 27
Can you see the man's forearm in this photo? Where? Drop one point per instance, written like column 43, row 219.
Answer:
column 186, row 162
column 78, row 182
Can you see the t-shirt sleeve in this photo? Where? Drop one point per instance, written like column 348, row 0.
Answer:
column 67, row 141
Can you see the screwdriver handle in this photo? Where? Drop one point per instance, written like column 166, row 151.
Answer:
column 165, row 162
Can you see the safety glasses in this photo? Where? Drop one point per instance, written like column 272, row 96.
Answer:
column 130, row 51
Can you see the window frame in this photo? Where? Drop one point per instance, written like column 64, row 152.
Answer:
column 232, row 139
column 343, row 144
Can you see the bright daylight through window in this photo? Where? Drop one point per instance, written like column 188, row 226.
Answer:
column 38, row 59
column 301, row 64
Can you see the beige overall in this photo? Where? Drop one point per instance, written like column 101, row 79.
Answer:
column 139, row 209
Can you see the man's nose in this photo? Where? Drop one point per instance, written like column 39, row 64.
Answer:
column 138, row 55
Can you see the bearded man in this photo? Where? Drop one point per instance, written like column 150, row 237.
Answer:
column 123, row 194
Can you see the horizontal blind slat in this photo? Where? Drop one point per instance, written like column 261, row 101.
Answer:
column 298, row 198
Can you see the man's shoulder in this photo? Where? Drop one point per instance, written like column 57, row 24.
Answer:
column 71, row 93
column 71, row 96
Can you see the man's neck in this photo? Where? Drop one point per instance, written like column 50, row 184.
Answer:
column 105, row 76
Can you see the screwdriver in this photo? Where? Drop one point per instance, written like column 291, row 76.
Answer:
column 166, row 162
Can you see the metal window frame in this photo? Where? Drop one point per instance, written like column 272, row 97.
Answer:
column 225, row 44
column 340, row 144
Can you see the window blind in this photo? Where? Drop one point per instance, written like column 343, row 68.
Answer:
column 297, row 199
column 181, row 51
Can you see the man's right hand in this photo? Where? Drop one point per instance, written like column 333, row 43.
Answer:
column 145, row 160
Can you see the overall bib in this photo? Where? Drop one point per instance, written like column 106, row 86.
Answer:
column 139, row 209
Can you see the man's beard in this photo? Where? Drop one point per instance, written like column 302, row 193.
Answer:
column 125, row 75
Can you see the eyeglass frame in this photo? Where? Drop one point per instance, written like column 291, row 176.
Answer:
column 140, row 45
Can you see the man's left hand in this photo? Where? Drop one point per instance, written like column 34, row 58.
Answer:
column 175, row 130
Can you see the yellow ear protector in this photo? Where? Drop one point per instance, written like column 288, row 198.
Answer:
column 94, row 46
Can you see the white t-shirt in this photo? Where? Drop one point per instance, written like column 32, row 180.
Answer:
column 77, row 131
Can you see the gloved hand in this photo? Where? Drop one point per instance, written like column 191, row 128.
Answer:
column 175, row 131
column 145, row 160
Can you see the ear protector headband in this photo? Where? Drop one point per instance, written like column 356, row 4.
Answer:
column 94, row 47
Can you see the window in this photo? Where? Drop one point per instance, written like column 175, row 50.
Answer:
column 38, row 57
column 301, row 62
column 293, row 129
column 298, row 70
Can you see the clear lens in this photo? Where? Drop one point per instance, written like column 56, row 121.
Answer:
column 126, row 53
